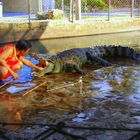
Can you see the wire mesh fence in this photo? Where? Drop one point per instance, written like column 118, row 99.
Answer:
column 63, row 5
column 94, row 9
column 65, row 9
column 107, row 9
column 125, row 8
column 16, row 13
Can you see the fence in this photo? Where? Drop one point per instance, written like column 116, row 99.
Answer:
column 107, row 9
column 89, row 9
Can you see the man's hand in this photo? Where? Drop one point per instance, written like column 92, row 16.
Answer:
column 38, row 69
column 15, row 75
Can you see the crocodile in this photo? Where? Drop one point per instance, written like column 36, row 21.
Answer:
column 73, row 59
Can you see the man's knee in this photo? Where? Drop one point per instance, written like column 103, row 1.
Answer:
column 17, row 66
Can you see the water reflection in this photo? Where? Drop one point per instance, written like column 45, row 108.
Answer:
column 19, row 87
column 96, row 92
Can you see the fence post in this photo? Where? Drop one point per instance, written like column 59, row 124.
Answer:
column 78, row 9
column 138, row 9
column 40, row 6
column 109, row 4
column 132, row 7
column 62, row 4
column 71, row 16
column 29, row 12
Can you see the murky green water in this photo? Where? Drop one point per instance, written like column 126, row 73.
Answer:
column 56, row 45
column 110, row 97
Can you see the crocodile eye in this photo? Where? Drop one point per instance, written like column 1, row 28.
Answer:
column 47, row 63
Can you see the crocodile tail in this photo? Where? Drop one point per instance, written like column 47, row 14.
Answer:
column 119, row 51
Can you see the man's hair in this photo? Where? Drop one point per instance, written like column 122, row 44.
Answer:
column 23, row 45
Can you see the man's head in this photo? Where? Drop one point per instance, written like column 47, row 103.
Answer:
column 23, row 46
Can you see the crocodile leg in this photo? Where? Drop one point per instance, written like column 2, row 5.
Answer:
column 77, row 69
column 73, row 67
column 98, row 60
column 102, row 62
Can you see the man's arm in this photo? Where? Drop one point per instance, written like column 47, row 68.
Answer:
column 30, row 64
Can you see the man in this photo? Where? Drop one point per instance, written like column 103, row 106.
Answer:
column 11, row 59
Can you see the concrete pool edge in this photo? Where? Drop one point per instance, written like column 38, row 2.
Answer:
column 53, row 30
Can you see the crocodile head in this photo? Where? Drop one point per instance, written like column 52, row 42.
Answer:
column 47, row 69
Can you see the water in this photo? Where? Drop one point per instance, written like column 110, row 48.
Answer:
column 56, row 45
column 110, row 96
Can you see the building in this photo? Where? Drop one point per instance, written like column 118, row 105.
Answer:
column 23, row 5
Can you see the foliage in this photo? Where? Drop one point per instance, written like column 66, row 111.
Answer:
column 87, row 5
column 94, row 5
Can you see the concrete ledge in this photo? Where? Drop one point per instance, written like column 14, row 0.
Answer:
column 62, row 29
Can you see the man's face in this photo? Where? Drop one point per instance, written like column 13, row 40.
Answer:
column 24, row 52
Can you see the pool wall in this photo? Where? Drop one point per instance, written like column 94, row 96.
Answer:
column 59, row 29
